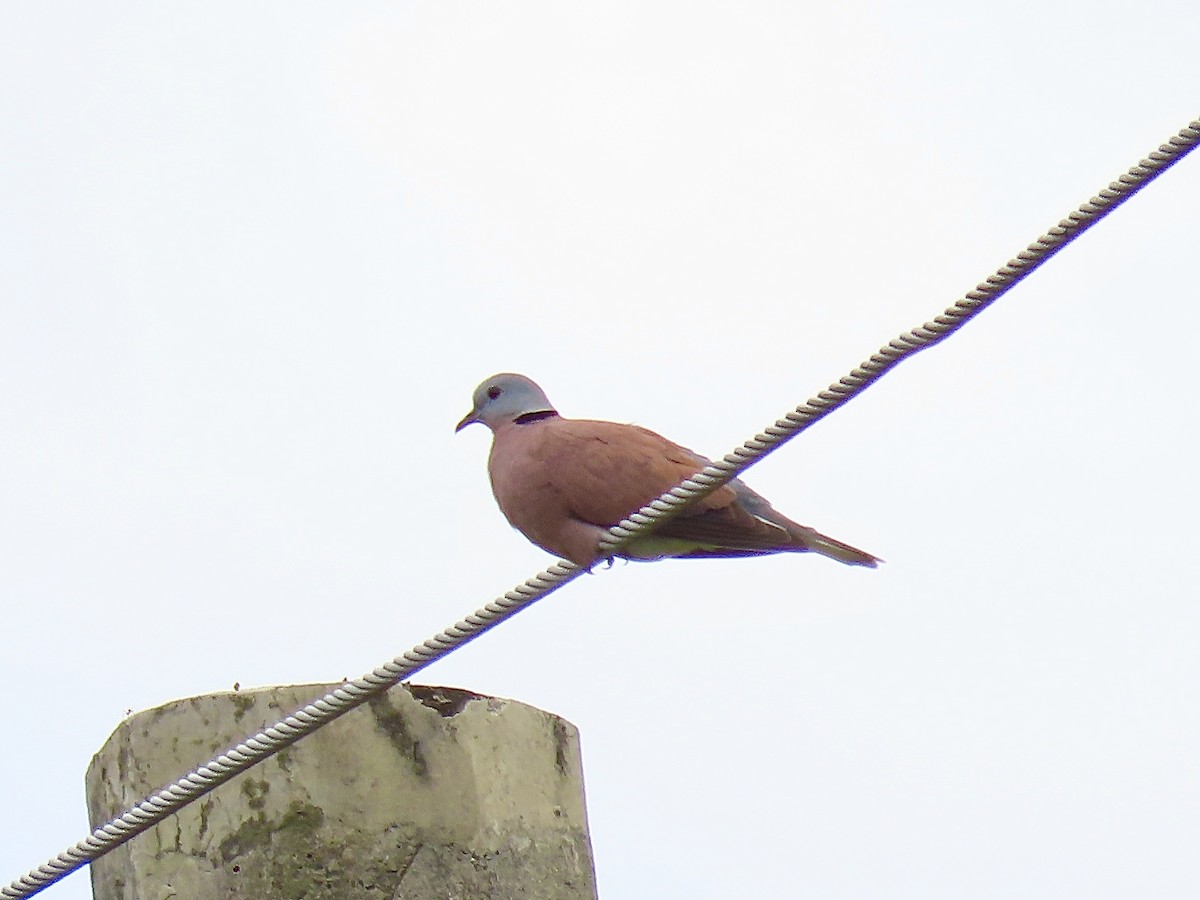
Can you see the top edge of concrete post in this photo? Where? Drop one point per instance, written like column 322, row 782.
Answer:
column 423, row 792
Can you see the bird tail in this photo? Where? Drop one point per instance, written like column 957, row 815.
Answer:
column 843, row 553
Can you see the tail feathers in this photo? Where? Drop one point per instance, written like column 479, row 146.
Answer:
column 843, row 553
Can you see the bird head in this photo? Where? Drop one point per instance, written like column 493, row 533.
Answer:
column 505, row 398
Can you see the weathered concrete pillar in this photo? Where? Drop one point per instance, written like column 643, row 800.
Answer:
column 425, row 792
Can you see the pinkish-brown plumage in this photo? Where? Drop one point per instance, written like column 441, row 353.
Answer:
column 564, row 482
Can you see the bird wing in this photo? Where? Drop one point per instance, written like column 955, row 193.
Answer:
column 608, row 470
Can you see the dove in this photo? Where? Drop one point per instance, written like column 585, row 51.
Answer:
column 564, row 482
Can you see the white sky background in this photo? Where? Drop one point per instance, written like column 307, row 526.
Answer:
column 255, row 259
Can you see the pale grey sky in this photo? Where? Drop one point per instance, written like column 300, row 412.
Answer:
column 256, row 258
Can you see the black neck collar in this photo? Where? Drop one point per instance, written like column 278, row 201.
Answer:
column 535, row 416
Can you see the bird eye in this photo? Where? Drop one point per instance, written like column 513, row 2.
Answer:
column 493, row 393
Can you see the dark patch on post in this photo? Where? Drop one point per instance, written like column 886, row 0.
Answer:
column 391, row 722
column 447, row 701
column 562, row 740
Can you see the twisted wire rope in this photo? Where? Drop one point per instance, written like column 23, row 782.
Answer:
column 320, row 712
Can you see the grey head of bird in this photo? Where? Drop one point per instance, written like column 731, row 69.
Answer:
column 506, row 397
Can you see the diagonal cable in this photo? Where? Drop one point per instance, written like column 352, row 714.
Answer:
column 233, row 762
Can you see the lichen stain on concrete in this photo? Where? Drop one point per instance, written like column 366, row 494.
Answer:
column 283, row 759
column 393, row 724
column 242, row 704
column 301, row 820
column 255, row 793
column 293, row 831
column 252, row 834
column 206, row 806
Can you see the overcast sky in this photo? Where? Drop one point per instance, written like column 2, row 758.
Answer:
column 254, row 258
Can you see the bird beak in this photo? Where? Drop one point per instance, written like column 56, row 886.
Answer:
column 469, row 419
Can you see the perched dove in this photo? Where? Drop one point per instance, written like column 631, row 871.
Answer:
column 564, row 482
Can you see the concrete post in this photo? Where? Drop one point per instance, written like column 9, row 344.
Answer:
column 425, row 792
